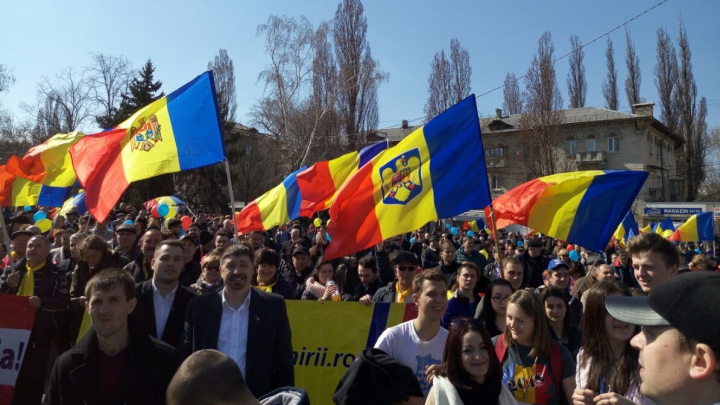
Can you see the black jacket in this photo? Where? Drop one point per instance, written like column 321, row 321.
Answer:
column 378, row 379
column 296, row 281
column 149, row 367
column 361, row 290
column 190, row 273
column 385, row 294
column 143, row 317
column 281, row 287
column 430, row 258
column 533, row 269
column 53, row 291
column 269, row 354
column 136, row 269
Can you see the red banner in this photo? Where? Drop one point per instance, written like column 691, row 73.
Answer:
column 16, row 322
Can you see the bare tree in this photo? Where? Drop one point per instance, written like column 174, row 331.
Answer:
column 543, row 115
column 634, row 78
column 224, row 73
column 108, row 79
column 692, row 122
column 359, row 74
column 63, row 105
column 666, row 79
column 512, row 97
column 449, row 81
column 6, row 78
column 577, row 85
column 610, row 86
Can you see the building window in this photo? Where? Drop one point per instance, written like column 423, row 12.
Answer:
column 246, row 166
column 590, row 145
column 571, row 147
column 248, row 149
column 495, row 152
column 613, row 144
column 495, row 182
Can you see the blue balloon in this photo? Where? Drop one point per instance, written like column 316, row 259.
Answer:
column 471, row 234
column 163, row 210
column 327, row 236
column 454, row 231
column 574, row 255
column 520, row 243
column 27, row 208
column 412, row 240
column 448, row 226
column 129, row 222
column 40, row 215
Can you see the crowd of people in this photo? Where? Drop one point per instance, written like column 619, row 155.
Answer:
column 121, row 303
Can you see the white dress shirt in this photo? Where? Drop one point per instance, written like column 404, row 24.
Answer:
column 162, row 308
column 234, row 331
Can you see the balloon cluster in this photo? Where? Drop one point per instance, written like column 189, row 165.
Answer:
column 164, row 211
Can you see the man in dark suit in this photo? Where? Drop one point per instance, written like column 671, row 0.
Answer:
column 162, row 301
column 249, row 325
column 116, row 364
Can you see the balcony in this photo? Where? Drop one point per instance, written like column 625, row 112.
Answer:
column 495, row 162
column 589, row 160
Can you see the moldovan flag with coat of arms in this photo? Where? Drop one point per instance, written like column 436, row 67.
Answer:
column 438, row 171
column 180, row 131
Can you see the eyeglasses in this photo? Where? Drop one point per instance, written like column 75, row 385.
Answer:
column 463, row 322
column 403, row 268
column 501, row 300
column 216, row 268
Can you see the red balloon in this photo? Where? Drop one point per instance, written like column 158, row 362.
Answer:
column 186, row 221
column 570, row 247
column 154, row 212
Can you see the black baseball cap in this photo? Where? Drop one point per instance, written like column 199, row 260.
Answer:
column 534, row 243
column 301, row 249
column 403, row 256
column 688, row 302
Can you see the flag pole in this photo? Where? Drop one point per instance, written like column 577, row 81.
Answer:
column 495, row 238
column 232, row 200
column 6, row 237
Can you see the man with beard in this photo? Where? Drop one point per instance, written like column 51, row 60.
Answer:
column 141, row 268
column 249, row 325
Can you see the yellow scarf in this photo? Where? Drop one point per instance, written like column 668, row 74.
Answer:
column 27, row 285
column 85, row 325
column 266, row 288
column 402, row 296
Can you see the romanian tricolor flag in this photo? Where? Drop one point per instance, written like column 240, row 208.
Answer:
column 16, row 191
column 627, row 229
column 438, row 171
column 277, row 206
column 319, row 182
column 180, row 131
column 48, row 163
column 582, row 208
column 699, row 227
column 665, row 228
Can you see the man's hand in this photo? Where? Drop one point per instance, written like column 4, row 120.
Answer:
column 13, row 279
column 35, row 302
column 380, row 247
column 82, row 301
column 366, row 300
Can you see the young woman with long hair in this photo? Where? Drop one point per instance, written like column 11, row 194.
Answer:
column 536, row 368
column 470, row 372
column 607, row 368
column 494, row 305
column 317, row 287
column 557, row 310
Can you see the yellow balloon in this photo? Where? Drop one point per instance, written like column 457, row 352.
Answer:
column 172, row 211
column 317, row 222
column 328, row 223
column 44, row 225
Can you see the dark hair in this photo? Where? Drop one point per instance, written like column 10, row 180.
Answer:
column 109, row 278
column 654, row 243
column 531, row 306
column 196, row 381
column 194, row 224
column 174, row 222
column 237, row 251
column 267, row 256
column 168, row 234
column 315, row 275
column 487, row 313
column 597, row 354
column 509, row 260
column 452, row 364
column 170, row 242
column 567, row 321
column 429, row 274
column 94, row 242
column 577, row 268
column 368, row 262
column 466, row 265
column 222, row 232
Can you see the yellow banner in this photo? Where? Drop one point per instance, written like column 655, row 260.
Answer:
column 328, row 336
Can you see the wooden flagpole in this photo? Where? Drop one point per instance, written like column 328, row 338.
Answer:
column 232, row 200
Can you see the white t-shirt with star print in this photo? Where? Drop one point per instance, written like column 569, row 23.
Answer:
column 401, row 342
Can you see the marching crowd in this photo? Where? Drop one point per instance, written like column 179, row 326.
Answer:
column 135, row 310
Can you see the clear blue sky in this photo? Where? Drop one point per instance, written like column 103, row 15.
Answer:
column 40, row 38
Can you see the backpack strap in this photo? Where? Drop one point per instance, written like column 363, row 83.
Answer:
column 556, row 365
column 500, row 348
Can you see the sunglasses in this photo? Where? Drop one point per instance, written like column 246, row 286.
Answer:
column 463, row 322
column 216, row 268
column 403, row 268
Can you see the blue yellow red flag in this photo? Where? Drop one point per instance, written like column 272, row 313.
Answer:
column 665, row 227
column 437, row 171
column 627, row 227
column 583, row 208
column 699, row 227
column 48, row 163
